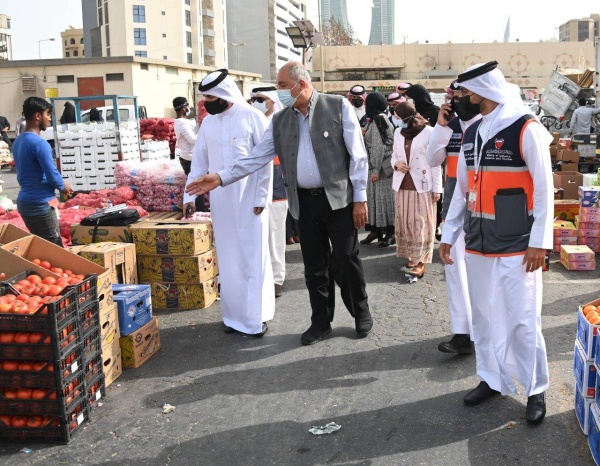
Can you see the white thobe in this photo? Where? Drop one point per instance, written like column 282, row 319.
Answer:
column 506, row 301
column 241, row 237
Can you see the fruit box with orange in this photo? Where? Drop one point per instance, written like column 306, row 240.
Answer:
column 566, row 209
column 585, row 225
column 570, row 253
column 582, row 410
column 562, row 240
column 141, row 345
column 563, row 228
column 594, row 432
column 588, row 326
column 575, row 266
column 585, row 372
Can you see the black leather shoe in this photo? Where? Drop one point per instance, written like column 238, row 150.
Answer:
column 364, row 324
column 480, row 394
column 229, row 329
column 278, row 290
column 371, row 237
column 536, row 408
column 265, row 328
column 460, row 344
column 314, row 334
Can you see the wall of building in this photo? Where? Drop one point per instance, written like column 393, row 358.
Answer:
column 5, row 38
column 528, row 65
column 72, row 43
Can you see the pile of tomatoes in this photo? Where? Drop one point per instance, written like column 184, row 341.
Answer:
column 29, row 421
column 35, row 293
column 592, row 314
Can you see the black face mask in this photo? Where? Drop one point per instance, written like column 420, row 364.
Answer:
column 465, row 109
column 216, row 106
column 357, row 103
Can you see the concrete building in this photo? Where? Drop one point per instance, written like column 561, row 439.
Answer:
column 336, row 9
column 258, row 41
column 72, row 43
column 381, row 67
column 383, row 22
column 154, row 82
column 5, row 38
column 578, row 30
column 184, row 31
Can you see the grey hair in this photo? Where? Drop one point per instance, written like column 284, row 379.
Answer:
column 298, row 71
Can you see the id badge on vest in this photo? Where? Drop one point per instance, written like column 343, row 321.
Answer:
column 472, row 199
column 425, row 182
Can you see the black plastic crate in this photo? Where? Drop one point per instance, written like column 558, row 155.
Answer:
column 53, row 429
column 51, row 317
column 86, row 291
column 95, row 391
column 91, row 345
column 41, row 346
column 41, row 401
column 43, row 374
column 93, row 367
column 90, row 318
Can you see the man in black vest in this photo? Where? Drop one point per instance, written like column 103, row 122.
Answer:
column 322, row 153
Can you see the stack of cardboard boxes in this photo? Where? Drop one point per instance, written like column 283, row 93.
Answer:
column 588, row 220
column 178, row 261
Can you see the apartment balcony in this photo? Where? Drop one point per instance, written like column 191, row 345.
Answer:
column 207, row 12
column 208, row 33
column 210, row 53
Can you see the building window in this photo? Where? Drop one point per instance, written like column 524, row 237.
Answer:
column 65, row 43
column 164, row 35
column 75, row 53
column 139, row 14
column 99, row 3
column 72, row 41
column 106, row 12
column 107, row 33
column 163, row 13
column 100, row 17
column 141, row 53
column 81, row 40
column 190, row 58
column 115, row 77
column 139, row 36
column 188, row 18
column 66, row 78
column 144, row 66
column 165, row 57
column 188, row 39
column 187, row 2
column 67, row 54
column 108, row 52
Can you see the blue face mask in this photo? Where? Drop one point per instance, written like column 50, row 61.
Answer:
column 285, row 96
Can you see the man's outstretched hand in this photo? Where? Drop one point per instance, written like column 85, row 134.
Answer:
column 204, row 184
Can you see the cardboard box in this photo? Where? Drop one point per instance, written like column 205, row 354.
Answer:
column 587, row 333
column 119, row 258
column 134, row 304
column 588, row 219
column 570, row 253
column 566, row 209
column 104, row 284
column 583, row 225
column 569, row 181
column 109, row 326
column 564, row 228
column 82, row 234
column 559, row 241
column 11, row 265
column 593, row 432
column 111, row 360
column 553, row 151
column 185, row 296
column 568, row 167
column 578, row 265
column 590, row 179
column 178, row 269
column 583, row 407
column 141, row 345
column 589, row 211
column 585, row 372
column 588, row 196
column 567, row 156
column 172, row 239
column 555, row 138
column 589, row 232
column 10, row 233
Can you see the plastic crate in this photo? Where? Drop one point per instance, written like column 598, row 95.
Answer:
column 90, row 318
column 51, row 317
column 86, row 291
column 50, row 402
column 91, row 345
column 58, row 429
column 93, row 367
column 50, row 346
column 95, row 391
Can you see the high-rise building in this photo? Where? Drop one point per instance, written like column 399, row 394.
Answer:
column 257, row 39
column 382, row 23
column 5, row 38
column 72, row 43
column 578, row 30
column 335, row 9
column 186, row 31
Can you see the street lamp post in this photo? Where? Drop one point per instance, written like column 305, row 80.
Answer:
column 40, row 45
column 237, row 53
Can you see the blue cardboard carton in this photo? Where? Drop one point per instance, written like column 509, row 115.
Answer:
column 585, row 373
column 582, row 410
column 594, row 433
column 134, row 304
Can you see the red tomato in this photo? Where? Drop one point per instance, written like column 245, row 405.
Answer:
column 35, row 337
column 24, row 393
column 22, row 338
column 7, row 337
column 68, row 272
column 57, row 270
column 10, row 394
column 10, row 365
column 49, row 281
column 23, row 282
column 26, row 366
column 39, row 394
column 5, row 421
column 23, row 297
column 36, row 261
column 19, row 421
column 4, row 308
column 46, row 265
column 34, row 278
column 54, row 290
column 35, row 421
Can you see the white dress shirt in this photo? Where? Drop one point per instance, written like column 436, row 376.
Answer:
column 186, row 137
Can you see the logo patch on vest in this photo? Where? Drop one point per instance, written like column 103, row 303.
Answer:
column 468, row 146
column 499, row 143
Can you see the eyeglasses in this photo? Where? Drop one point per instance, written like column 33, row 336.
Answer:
column 259, row 99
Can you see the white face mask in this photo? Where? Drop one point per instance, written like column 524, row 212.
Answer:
column 187, row 112
column 260, row 106
column 396, row 121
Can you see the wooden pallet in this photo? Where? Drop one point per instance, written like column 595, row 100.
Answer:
column 162, row 217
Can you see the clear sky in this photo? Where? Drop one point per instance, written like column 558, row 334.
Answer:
column 437, row 21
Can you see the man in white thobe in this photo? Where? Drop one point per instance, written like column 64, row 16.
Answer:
column 239, row 211
column 504, row 199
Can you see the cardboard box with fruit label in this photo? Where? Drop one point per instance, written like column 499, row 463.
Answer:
column 585, row 372
column 569, row 253
column 10, row 233
column 582, row 410
column 172, row 239
column 119, row 258
column 178, row 269
column 588, row 325
column 134, row 305
column 109, row 326
column 111, row 361
column 81, row 234
column 141, row 345
column 566, row 209
column 185, row 296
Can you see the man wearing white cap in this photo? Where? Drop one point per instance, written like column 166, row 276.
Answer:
column 239, row 211
column 503, row 199
column 322, row 152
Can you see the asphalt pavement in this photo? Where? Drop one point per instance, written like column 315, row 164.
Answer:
column 245, row 401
